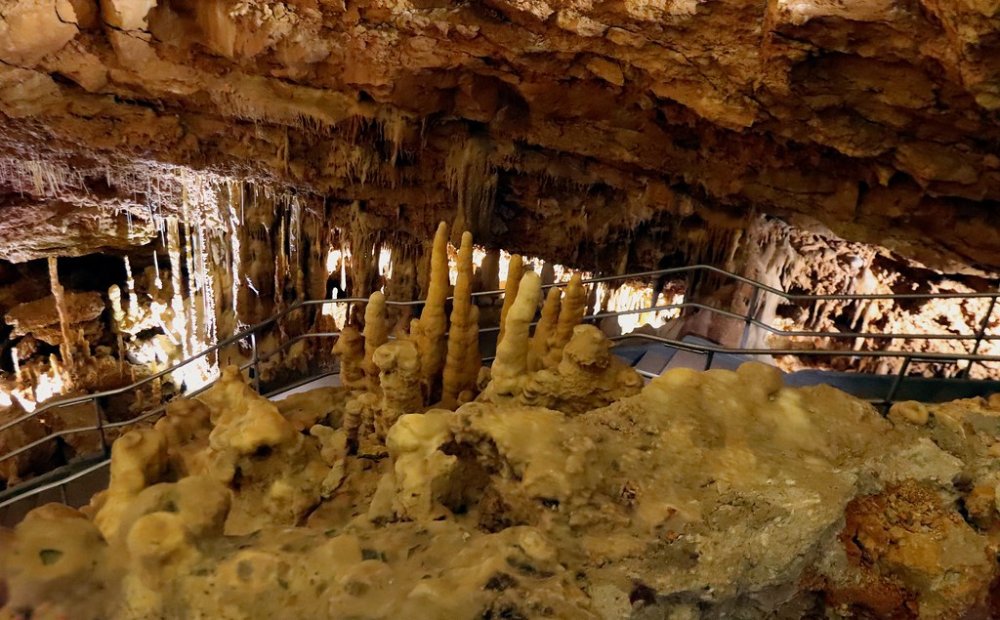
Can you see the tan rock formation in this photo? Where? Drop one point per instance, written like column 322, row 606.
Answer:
column 515, row 270
column 350, row 351
column 428, row 333
column 509, row 370
column 40, row 318
column 572, row 308
column 461, row 331
column 663, row 502
column 544, row 330
column 376, row 334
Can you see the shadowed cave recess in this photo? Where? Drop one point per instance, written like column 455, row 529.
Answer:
column 486, row 439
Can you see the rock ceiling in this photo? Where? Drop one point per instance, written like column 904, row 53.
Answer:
column 609, row 121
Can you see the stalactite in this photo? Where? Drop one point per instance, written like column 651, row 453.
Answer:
column 192, row 291
column 376, row 334
column 220, row 263
column 317, row 275
column 177, row 320
column 296, row 255
column 571, row 311
column 455, row 379
column 514, row 274
column 133, row 298
column 281, row 263
column 429, row 336
column 473, row 182
column 544, row 330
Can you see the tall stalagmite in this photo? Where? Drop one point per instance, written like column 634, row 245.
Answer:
column 571, row 312
column 376, row 334
column 455, row 379
column 515, row 270
column 510, row 370
column 432, row 325
column 473, row 357
column 544, row 330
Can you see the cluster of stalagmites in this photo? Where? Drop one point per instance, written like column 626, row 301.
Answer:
column 551, row 485
column 143, row 339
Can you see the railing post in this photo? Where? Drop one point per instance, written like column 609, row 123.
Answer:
column 709, row 356
column 62, row 494
column 256, row 361
column 983, row 326
column 896, row 383
column 100, row 425
column 748, row 317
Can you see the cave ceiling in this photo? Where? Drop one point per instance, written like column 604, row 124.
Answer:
column 558, row 128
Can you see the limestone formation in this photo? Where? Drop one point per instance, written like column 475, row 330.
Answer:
column 461, row 332
column 509, row 371
column 399, row 376
column 429, row 332
column 544, row 330
column 572, row 308
column 213, row 164
column 515, row 270
column 350, row 351
column 705, row 494
column 376, row 334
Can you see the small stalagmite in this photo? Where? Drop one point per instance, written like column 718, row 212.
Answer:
column 510, row 369
column 473, row 358
column 350, row 349
column 376, row 334
column 514, row 272
column 571, row 312
column 543, row 331
column 456, row 378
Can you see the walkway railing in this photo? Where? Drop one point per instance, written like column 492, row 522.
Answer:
column 248, row 340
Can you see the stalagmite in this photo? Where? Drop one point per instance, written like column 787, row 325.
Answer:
column 473, row 358
column 544, row 330
column 456, row 376
column 376, row 334
column 350, row 350
column 514, row 272
column 510, row 369
column 399, row 366
column 571, row 312
column 432, row 325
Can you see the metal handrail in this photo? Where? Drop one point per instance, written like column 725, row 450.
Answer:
column 758, row 286
column 710, row 350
